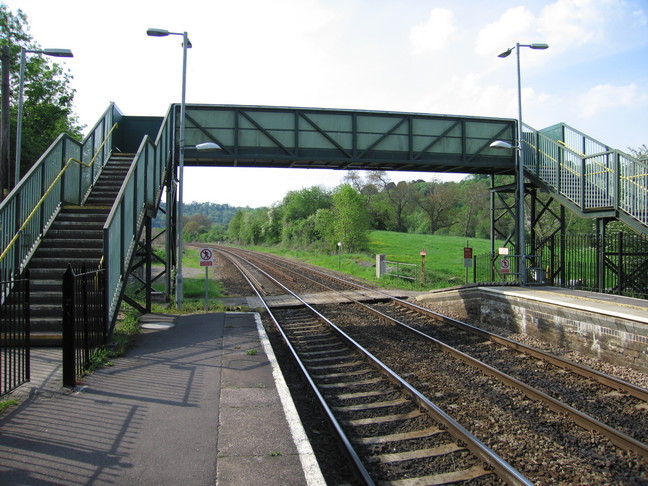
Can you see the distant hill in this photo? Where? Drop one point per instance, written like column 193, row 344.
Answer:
column 217, row 213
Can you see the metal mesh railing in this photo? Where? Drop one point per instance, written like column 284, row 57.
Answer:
column 586, row 172
column 23, row 220
column 140, row 194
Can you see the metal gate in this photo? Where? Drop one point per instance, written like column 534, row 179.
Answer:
column 14, row 331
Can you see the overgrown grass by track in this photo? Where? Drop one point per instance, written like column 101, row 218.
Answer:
column 444, row 263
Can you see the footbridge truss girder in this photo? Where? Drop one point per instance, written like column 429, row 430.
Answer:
column 254, row 136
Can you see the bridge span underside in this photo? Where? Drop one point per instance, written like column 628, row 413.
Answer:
column 252, row 136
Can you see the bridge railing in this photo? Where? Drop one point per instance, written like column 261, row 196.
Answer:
column 32, row 205
column 633, row 187
column 138, row 197
column 586, row 172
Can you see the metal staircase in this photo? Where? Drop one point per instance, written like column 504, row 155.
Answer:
column 587, row 176
column 74, row 238
column 84, row 204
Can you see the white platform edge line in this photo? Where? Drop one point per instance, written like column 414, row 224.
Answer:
column 307, row 458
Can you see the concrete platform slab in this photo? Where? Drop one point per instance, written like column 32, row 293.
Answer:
column 185, row 405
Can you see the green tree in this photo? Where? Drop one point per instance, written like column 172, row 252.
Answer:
column 399, row 195
column 474, row 220
column 235, row 226
column 640, row 153
column 48, row 97
column 305, row 202
column 350, row 219
column 299, row 209
column 438, row 201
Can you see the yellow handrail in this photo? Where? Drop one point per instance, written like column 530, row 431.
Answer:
column 49, row 189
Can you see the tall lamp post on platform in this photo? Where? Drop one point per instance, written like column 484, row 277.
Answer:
column 21, row 91
column 519, row 155
column 186, row 44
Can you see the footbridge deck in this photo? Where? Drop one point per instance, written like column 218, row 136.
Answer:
column 254, row 136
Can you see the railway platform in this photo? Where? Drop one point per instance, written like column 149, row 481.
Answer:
column 609, row 327
column 199, row 399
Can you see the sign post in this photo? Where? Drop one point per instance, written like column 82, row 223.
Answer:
column 468, row 259
column 206, row 260
column 423, row 254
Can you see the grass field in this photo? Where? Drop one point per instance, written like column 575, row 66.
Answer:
column 444, row 264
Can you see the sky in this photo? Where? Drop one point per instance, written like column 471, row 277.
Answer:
column 422, row 56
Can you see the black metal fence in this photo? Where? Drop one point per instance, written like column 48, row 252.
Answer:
column 616, row 264
column 84, row 320
column 14, row 331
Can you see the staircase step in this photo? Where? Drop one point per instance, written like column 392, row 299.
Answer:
column 46, row 339
column 72, row 241
column 52, row 257
column 46, row 311
column 80, row 234
column 62, row 263
column 74, row 238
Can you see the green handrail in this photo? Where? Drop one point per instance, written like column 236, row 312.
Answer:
column 19, row 236
column 12, row 242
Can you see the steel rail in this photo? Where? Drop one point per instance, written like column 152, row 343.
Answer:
column 503, row 470
column 587, row 422
column 359, row 469
column 585, row 371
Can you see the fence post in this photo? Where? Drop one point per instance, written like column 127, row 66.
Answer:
column 84, row 304
column 27, row 317
column 620, row 275
column 69, row 356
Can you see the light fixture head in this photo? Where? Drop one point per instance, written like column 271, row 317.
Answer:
column 501, row 144
column 157, row 32
column 208, row 146
column 506, row 53
column 539, row 45
column 58, row 52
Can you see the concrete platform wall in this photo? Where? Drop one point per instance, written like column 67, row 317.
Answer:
column 584, row 326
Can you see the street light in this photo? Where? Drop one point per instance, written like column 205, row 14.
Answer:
column 519, row 157
column 186, row 44
column 205, row 146
column 21, row 89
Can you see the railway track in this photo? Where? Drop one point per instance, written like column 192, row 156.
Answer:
column 352, row 408
column 404, row 439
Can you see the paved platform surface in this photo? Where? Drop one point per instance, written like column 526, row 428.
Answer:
column 197, row 401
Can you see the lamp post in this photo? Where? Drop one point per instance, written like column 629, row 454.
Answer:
column 186, row 44
column 519, row 154
column 21, row 89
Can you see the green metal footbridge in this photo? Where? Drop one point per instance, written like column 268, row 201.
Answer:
column 64, row 186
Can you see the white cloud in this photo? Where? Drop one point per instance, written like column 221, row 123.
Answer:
column 565, row 23
column 505, row 32
column 606, row 96
column 435, row 33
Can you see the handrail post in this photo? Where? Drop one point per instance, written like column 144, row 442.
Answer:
column 617, row 180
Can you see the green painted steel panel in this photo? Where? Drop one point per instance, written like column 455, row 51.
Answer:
column 255, row 136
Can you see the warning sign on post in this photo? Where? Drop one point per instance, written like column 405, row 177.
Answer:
column 206, row 257
column 468, row 257
column 505, row 265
